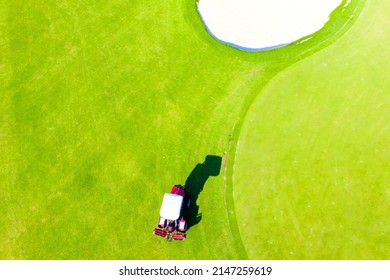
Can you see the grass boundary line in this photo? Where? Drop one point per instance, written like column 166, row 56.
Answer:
column 250, row 99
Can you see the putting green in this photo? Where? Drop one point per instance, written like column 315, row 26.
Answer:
column 311, row 176
column 104, row 106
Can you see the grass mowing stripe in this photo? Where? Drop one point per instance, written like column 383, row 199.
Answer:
column 342, row 20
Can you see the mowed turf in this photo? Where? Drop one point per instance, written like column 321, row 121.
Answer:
column 312, row 175
column 104, row 106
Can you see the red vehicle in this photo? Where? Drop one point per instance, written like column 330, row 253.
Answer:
column 171, row 224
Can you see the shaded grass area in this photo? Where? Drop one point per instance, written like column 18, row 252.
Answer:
column 315, row 146
column 104, row 107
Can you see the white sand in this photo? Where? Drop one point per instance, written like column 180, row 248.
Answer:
column 264, row 24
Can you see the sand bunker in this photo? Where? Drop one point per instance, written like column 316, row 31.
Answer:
column 264, row 24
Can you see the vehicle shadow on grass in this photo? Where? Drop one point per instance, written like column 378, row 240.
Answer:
column 195, row 184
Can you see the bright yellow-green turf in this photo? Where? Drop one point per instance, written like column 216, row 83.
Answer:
column 104, row 105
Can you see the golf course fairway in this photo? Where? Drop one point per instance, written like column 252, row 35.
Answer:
column 107, row 104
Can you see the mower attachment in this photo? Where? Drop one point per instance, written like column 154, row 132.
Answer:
column 160, row 232
column 179, row 236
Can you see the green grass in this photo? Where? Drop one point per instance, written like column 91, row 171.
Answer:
column 315, row 146
column 105, row 105
column 103, row 114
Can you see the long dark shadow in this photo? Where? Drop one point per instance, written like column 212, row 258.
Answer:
column 195, row 184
